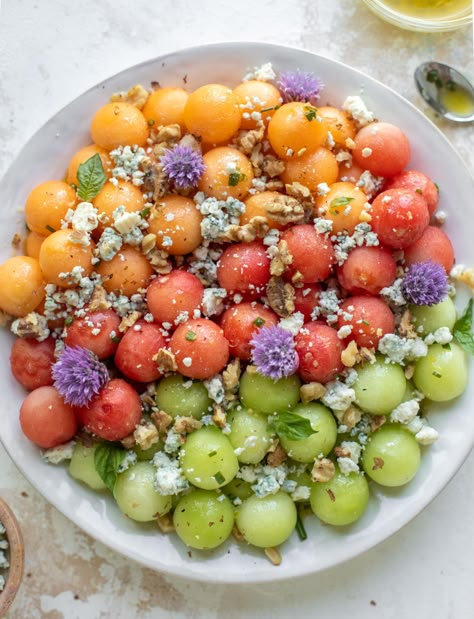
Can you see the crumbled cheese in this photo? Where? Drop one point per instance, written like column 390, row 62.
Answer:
column 369, row 183
column 169, row 479
column 398, row 349
column 322, row 225
column 215, row 388
column 441, row 336
column 128, row 160
column 427, row 435
column 129, row 225
column 328, row 306
column 293, row 323
column 322, row 189
column 187, row 362
column 172, row 442
column 357, row 109
column 130, row 459
column 366, row 152
column 218, row 215
column 213, row 301
column 393, row 294
column 272, row 238
column 405, row 412
column 330, row 143
column 344, row 331
column 302, row 493
column 84, row 219
column 110, row 243
column 440, row 217
column 338, row 396
column 264, row 73
column 60, row 453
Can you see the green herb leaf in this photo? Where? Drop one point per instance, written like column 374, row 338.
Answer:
column 341, row 201
column 68, row 321
column 151, row 121
column 107, row 458
column 91, row 177
column 219, row 477
column 145, row 212
column 437, row 375
column 235, row 178
column 291, row 426
column 50, row 229
column 116, row 339
column 463, row 329
column 300, row 528
column 310, row 112
column 259, row 321
column 190, row 336
column 212, row 453
column 269, row 109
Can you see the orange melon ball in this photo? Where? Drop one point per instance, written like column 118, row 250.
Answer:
column 21, row 285
column 255, row 207
column 228, row 172
column 212, row 113
column 344, row 205
column 112, row 196
column 350, row 173
column 312, row 168
column 338, row 123
column 126, row 273
column 47, row 204
column 33, row 243
column 59, row 255
column 296, row 129
column 253, row 97
column 82, row 155
column 119, row 124
column 165, row 106
column 176, row 222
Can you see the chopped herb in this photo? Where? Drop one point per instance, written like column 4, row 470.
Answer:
column 418, row 190
column 151, row 122
column 144, row 212
column 364, row 322
column 300, row 529
column 446, row 346
column 116, row 339
column 235, row 178
column 107, row 458
column 190, row 336
column 91, row 177
column 463, row 329
column 50, row 229
column 291, row 426
column 310, row 112
column 68, row 321
column 269, row 109
column 341, row 201
column 219, row 477
column 212, row 453
column 437, row 374
column 259, row 322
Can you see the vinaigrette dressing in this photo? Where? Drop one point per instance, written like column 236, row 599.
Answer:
column 457, row 100
column 430, row 9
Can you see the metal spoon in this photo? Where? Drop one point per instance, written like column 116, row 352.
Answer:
column 446, row 90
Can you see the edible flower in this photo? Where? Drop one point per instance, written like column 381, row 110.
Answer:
column 183, row 165
column 299, row 86
column 274, row 352
column 79, row 375
column 425, row 283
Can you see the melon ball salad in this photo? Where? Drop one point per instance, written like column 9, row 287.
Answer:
column 235, row 309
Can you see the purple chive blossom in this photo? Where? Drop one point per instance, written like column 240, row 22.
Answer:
column 183, row 165
column 425, row 283
column 299, row 86
column 274, row 352
column 79, row 375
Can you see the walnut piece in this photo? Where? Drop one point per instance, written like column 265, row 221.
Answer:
column 349, row 354
column 409, row 371
column 161, row 420
column 351, row 417
column 304, row 196
column 137, row 96
column 312, row 391
column 274, row 555
column 129, row 320
column 186, row 425
column 148, row 243
column 165, row 523
column 248, row 140
column 281, row 297
column 99, row 299
column 285, row 209
column 159, row 261
column 164, row 137
column 272, row 166
column 276, row 457
column 323, row 470
column 16, row 240
column 281, row 258
column 231, row 376
column 236, row 533
column 145, row 435
column 218, row 415
column 128, row 441
column 406, row 328
column 155, row 180
column 165, row 360
column 377, row 422
column 32, row 325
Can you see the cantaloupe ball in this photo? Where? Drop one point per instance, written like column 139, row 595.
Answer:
column 33, row 244
column 344, row 205
column 212, row 113
column 82, row 155
column 47, row 204
column 176, row 222
column 228, row 172
column 21, row 285
column 165, row 106
column 112, row 196
column 255, row 207
column 119, row 124
column 338, row 123
column 126, row 273
column 59, row 255
column 311, row 169
column 255, row 96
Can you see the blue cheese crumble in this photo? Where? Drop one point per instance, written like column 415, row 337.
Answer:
column 128, row 160
column 218, row 215
column 169, row 479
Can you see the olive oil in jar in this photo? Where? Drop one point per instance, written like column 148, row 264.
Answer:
column 430, row 9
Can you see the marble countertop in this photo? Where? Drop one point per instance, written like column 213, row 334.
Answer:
column 52, row 51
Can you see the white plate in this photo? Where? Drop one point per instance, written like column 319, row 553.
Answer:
column 46, row 156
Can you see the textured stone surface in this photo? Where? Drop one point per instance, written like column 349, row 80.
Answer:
column 50, row 53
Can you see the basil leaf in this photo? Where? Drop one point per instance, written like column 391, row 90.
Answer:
column 291, row 426
column 107, row 458
column 91, row 177
column 463, row 329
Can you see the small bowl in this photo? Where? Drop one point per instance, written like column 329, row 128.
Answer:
column 424, row 22
column 15, row 556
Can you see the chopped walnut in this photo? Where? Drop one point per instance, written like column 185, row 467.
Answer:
column 285, row 209
column 155, row 180
column 161, row 420
column 231, row 376
column 274, row 185
column 245, row 234
column 341, row 452
column 351, row 417
column 32, row 325
column 145, row 435
column 165, row 360
column 251, row 369
column 218, row 415
column 406, row 328
column 297, row 279
column 236, row 533
column 128, row 441
column 365, row 216
column 323, row 470
column 247, row 140
column 274, row 555
column 304, row 196
column 260, row 225
column 159, row 261
column 276, row 457
column 148, row 243
column 129, row 320
column 99, row 299
column 466, row 276
column 312, row 391
column 165, row 523
column 191, row 141
column 349, row 354
column 272, row 166
column 137, row 96
column 377, row 422
column 281, row 297
column 164, row 137
column 409, row 371
column 16, row 240
column 281, row 259
column 186, row 425
column 366, row 354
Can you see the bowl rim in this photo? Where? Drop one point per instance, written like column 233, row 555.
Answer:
column 16, row 552
column 412, row 511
